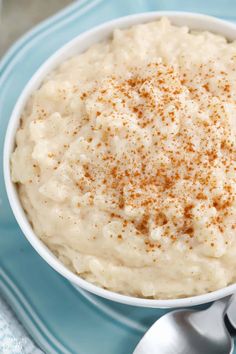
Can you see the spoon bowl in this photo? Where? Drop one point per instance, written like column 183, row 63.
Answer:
column 189, row 331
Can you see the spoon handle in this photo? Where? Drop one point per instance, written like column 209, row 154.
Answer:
column 220, row 306
column 231, row 311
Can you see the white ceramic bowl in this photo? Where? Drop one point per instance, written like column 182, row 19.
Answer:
column 77, row 45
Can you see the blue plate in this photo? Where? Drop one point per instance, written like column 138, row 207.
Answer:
column 59, row 318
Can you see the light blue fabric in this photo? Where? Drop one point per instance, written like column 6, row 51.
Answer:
column 13, row 337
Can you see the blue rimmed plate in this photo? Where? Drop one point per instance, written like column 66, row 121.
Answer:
column 58, row 317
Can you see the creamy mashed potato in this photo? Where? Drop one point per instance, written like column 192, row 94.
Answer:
column 125, row 161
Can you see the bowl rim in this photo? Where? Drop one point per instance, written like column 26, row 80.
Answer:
column 177, row 17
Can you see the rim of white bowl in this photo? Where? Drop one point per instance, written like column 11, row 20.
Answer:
column 192, row 20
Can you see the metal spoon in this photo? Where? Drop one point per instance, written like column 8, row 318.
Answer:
column 189, row 331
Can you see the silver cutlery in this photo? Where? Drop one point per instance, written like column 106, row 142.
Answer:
column 190, row 332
